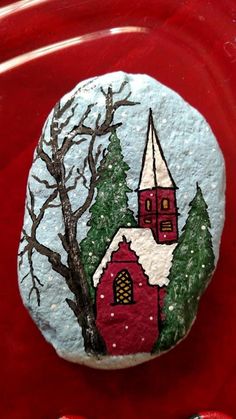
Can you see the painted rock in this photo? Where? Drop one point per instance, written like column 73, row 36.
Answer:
column 123, row 218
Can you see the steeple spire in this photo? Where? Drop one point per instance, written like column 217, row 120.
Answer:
column 155, row 172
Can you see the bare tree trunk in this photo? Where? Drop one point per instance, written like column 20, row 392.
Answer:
column 73, row 273
column 82, row 307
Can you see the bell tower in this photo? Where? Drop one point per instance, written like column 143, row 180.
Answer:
column 157, row 191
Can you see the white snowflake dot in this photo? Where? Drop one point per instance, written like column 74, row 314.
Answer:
column 151, row 318
column 112, row 274
column 114, row 345
column 90, row 254
column 140, row 284
column 102, row 216
column 126, row 327
column 101, row 296
column 171, row 308
column 112, row 314
column 143, row 339
column 164, row 120
column 192, row 251
column 186, row 276
column 110, row 166
column 128, row 224
column 203, row 266
column 53, row 306
column 203, row 227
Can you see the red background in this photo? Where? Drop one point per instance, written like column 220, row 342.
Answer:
column 190, row 47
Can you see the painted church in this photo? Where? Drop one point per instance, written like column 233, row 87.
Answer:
column 133, row 273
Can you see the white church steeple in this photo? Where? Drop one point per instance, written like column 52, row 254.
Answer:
column 155, row 172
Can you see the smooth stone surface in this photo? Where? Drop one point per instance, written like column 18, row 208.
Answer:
column 191, row 154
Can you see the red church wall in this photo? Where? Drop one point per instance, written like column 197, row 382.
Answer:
column 127, row 328
column 167, row 236
column 169, row 194
column 143, row 196
column 161, row 208
column 147, row 217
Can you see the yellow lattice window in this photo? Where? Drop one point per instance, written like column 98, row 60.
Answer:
column 165, row 204
column 123, row 288
column 166, row 226
column 148, row 204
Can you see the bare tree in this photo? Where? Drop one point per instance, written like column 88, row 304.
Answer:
column 73, row 273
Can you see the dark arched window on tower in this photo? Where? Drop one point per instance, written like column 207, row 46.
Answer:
column 148, row 204
column 165, row 204
column 123, row 288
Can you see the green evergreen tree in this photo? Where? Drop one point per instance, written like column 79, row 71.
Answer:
column 193, row 264
column 110, row 209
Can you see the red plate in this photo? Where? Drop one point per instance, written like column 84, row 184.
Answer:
column 47, row 46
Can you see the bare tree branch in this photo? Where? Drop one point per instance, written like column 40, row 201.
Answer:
column 63, row 241
column 97, row 120
column 66, row 122
column 24, row 277
column 121, row 88
column 23, row 252
column 34, row 288
column 68, row 143
column 54, row 205
column 98, row 153
column 124, row 102
column 81, row 172
column 53, row 257
column 68, row 176
column 72, row 187
column 44, row 157
column 45, row 182
column 73, row 306
column 34, row 278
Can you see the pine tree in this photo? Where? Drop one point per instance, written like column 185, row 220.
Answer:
column 193, row 264
column 110, row 209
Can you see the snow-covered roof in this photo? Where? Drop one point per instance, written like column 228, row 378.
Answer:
column 154, row 258
column 154, row 167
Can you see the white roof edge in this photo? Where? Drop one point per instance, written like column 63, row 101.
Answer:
column 154, row 258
